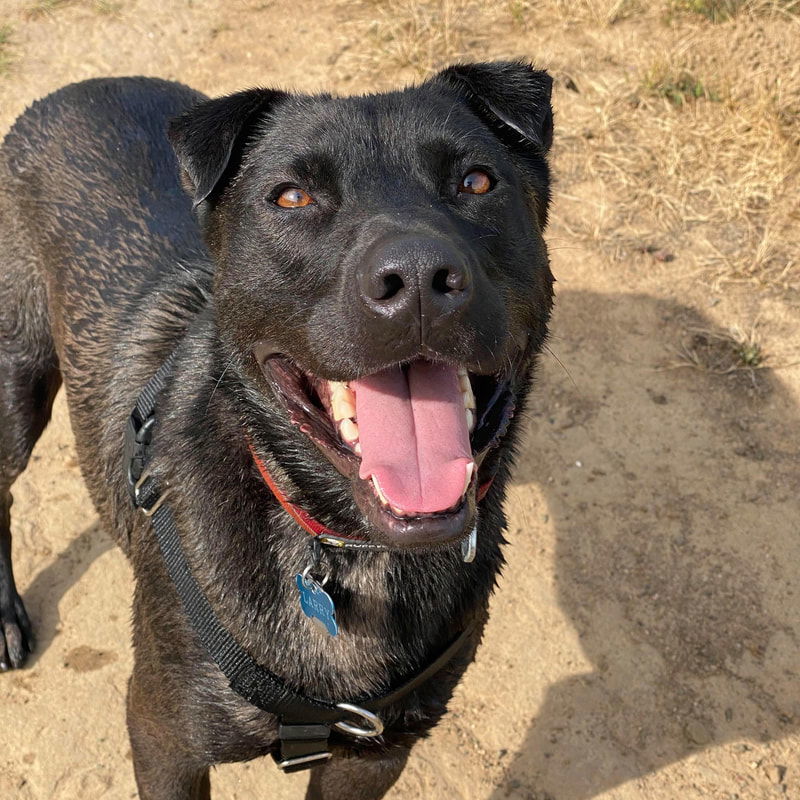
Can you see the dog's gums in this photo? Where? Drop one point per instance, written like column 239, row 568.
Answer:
column 411, row 437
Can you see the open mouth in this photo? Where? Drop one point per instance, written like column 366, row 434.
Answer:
column 411, row 438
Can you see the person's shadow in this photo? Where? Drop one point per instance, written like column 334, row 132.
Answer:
column 677, row 555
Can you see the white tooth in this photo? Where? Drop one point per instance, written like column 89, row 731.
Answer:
column 468, row 478
column 343, row 409
column 343, row 402
column 357, row 448
column 466, row 393
column 397, row 511
column 348, row 430
column 379, row 491
column 470, row 419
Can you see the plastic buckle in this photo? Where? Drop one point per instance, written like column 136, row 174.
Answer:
column 138, row 435
column 302, row 746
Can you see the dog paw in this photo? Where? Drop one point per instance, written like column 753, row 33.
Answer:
column 16, row 634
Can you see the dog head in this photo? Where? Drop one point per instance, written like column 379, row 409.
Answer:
column 381, row 275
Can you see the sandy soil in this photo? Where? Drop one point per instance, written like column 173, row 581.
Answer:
column 644, row 639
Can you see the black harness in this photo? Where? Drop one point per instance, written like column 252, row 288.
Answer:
column 305, row 723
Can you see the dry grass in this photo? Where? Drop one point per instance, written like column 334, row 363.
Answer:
column 5, row 46
column 723, row 10
column 592, row 12
column 684, row 114
column 415, row 36
column 721, row 352
column 41, row 8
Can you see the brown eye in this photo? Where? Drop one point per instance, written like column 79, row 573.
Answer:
column 292, row 197
column 475, row 182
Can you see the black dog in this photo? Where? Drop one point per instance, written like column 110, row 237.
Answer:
column 339, row 347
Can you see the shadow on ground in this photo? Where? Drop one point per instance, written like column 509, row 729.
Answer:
column 43, row 595
column 676, row 554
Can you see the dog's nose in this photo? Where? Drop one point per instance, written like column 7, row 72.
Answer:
column 419, row 276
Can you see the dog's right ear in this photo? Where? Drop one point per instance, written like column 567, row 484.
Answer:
column 209, row 138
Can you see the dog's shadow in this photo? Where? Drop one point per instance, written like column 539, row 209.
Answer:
column 669, row 489
column 43, row 595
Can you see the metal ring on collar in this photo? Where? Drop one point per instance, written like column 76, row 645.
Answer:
column 373, row 719
column 307, row 580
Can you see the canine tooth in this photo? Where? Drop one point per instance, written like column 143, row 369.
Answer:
column 470, row 419
column 348, row 430
column 468, row 478
column 379, row 491
column 467, row 395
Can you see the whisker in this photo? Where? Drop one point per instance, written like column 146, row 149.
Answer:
column 550, row 351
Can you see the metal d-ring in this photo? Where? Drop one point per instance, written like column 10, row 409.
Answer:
column 373, row 719
column 307, row 581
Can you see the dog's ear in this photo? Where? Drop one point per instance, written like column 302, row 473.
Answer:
column 511, row 97
column 209, row 138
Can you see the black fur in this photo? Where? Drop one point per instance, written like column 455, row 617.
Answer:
column 103, row 272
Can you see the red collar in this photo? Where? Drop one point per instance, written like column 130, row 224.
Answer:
column 304, row 519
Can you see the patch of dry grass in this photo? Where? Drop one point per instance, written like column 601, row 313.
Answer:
column 725, row 173
column 723, row 10
column 721, row 352
column 41, row 8
column 592, row 12
column 415, row 37
column 5, row 42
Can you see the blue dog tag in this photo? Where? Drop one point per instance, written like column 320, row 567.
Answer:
column 317, row 604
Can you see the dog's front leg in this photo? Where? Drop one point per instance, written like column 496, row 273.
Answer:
column 164, row 770
column 361, row 778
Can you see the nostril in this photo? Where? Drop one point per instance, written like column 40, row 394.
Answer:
column 447, row 280
column 392, row 284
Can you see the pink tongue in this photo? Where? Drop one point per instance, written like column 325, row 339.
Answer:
column 413, row 434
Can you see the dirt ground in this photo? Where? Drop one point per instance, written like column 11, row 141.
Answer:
column 644, row 640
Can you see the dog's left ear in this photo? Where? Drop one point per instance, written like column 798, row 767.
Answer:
column 209, row 138
column 511, row 97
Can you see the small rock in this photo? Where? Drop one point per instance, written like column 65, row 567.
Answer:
column 658, row 398
column 697, row 733
column 658, row 253
column 775, row 773
column 663, row 255
column 570, row 84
